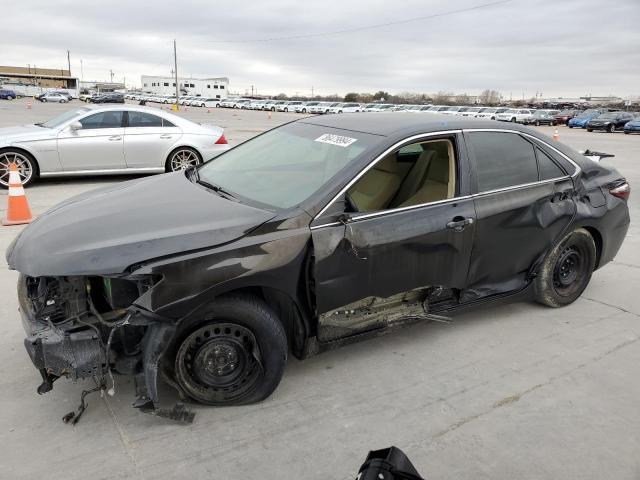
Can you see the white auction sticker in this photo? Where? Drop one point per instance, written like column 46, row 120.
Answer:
column 338, row 140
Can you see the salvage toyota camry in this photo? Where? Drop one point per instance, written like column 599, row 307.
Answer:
column 314, row 234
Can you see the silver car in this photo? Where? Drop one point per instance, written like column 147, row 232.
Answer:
column 107, row 140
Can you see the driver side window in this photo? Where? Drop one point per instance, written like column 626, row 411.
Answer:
column 415, row 174
column 107, row 119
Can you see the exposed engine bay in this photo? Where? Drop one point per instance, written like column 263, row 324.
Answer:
column 88, row 327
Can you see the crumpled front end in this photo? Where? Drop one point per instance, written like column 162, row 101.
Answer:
column 81, row 327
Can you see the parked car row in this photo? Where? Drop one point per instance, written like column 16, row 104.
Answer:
column 107, row 97
column 187, row 100
column 592, row 119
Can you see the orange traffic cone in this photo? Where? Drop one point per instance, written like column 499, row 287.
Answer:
column 18, row 211
column 269, row 114
column 28, row 105
column 208, row 110
column 556, row 136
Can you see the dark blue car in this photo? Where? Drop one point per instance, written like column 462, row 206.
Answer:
column 582, row 119
column 7, row 94
column 633, row 126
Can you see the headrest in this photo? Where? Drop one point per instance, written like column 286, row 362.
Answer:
column 387, row 164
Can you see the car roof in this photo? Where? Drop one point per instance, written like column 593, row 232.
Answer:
column 391, row 123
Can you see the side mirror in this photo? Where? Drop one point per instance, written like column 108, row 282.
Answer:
column 344, row 218
column 75, row 126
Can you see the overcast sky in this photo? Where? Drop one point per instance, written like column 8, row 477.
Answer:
column 557, row 47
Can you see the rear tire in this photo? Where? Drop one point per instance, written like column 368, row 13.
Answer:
column 182, row 158
column 234, row 354
column 589, row 129
column 567, row 270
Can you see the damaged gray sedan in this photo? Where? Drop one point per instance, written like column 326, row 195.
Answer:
column 317, row 233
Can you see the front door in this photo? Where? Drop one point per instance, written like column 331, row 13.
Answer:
column 98, row 145
column 411, row 229
column 524, row 203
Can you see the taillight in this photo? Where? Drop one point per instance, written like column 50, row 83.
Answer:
column 222, row 140
column 621, row 191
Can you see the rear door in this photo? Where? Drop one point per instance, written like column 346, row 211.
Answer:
column 148, row 139
column 524, row 203
column 98, row 145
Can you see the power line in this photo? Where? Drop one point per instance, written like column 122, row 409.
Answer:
column 366, row 27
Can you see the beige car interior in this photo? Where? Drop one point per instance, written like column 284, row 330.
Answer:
column 413, row 175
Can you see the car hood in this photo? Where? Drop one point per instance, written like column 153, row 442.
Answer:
column 105, row 231
column 22, row 133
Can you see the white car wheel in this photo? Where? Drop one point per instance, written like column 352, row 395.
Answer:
column 183, row 158
column 24, row 163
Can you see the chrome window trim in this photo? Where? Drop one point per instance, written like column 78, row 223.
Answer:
column 380, row 157
column 448, row 200
column 505, row 130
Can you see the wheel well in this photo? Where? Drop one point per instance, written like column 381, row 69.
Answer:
column 287, row 311
column 166, row 163
column 25, row 152
column 597, row 239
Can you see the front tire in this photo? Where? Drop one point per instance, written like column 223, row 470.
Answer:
column 612, row 128
column 233, row 355
column 27, row 167
column 566, row 271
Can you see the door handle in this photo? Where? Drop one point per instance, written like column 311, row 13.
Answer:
column 113, row 138
column 166, row 135
column 458, row 224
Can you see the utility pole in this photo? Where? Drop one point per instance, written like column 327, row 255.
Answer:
column 111, row 73
column 311, row 92
column 69, row 61
column 175, row 69
column 81, row 71
column 252, row 90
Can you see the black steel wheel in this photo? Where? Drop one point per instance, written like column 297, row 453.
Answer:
column 234, row 355
column 566, row 271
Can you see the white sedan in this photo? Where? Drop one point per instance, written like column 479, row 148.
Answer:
column 346, row 108
column 107, row 140
column 513, row 115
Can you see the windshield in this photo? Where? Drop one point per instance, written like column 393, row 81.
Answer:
column 65, row 117
column 607, row 116
column 285, row 166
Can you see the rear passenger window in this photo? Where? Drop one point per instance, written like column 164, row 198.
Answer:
column 142, row 119
column 502, row 160
column 547, row 168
